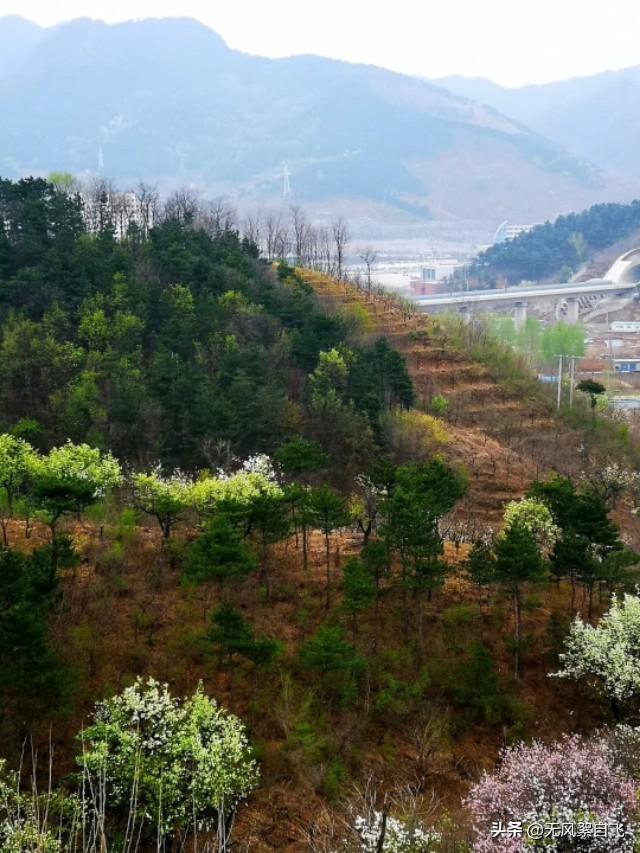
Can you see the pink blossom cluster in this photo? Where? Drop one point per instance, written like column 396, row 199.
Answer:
column 570, row 781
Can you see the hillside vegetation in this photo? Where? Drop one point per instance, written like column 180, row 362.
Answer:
column 284, row 564
column 557, row 249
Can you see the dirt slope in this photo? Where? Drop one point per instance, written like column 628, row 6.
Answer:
column 504, row 437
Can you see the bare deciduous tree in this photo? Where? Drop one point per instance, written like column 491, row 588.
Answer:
column 368, row 256
column 340, row 240
column 147, row 197
column 183, row 205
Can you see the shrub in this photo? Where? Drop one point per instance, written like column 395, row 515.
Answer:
column 233, row 635
column 412, row 435
column 334, row 661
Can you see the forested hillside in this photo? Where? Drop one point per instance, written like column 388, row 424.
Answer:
column 559, row 248
column 170, row 348
column 285, row 566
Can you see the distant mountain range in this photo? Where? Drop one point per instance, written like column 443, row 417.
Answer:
column 168, row 101
column 595, row 117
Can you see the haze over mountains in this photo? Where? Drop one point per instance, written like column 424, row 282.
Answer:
column 596, row 117
column 168, row 101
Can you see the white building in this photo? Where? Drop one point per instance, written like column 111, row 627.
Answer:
column 507, row 232
column 437, row 272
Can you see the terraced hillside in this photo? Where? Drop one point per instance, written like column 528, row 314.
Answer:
column 502, row 426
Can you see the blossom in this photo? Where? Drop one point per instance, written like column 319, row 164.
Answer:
column 571, row 781
column 609, row 651
column 399, row 836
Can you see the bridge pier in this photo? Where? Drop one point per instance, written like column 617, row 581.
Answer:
column 520, row 315
column 572, row 310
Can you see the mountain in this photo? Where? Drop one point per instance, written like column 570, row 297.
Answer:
column 18, row 37
column 595, row 117
column 168, row 101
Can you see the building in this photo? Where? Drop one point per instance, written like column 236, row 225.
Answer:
column 510, row 232
column 435, row 277
column 626, row 365
column 118, row 210
column 625, row 326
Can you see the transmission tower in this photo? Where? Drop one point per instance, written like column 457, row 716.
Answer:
column 286, row 185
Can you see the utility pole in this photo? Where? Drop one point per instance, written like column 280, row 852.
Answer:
column 572, row 378
column 559, row 381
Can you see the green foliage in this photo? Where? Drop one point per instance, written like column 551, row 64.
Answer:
column 164, row 498
column 334, row 661
column 164, row 345
column 535, row 516
column 327, row 511
column 421, row 495
column 234, row 494
column 299, row 457
column 33, row 683
column 70, row 478
column 592, row 389
column 375, row 556
column 358, row 588
column 219, row 554
column 517, row 557
column 480, row 564
column 17, row 463
column 474, row 689
column 518, row 562
column 178, row 764
column 230, row 631
column 588, row 548
column 333, row 784
column 563, row 339
column 36, row 823
column 397, row 698
column 546, row 249
column 412, row 435
column 438, row 405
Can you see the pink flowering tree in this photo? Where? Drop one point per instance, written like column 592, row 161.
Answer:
column 573, row 789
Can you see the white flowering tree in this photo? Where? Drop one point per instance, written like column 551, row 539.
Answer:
column 164, row 498
column 392, row 822
column 611, row 481
column 170, row 768
column 20, row 828
column 17, row 460
column 70, row 478
column 609, row 653
column 379, row 832
column 255, row 479
column 535, row 517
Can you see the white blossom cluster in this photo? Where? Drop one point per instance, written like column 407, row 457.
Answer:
column 609, row 652
column 399, row 836
column 187, row 760
column 260, row 464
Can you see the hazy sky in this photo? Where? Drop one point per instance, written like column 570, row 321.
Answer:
column 511, row 41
